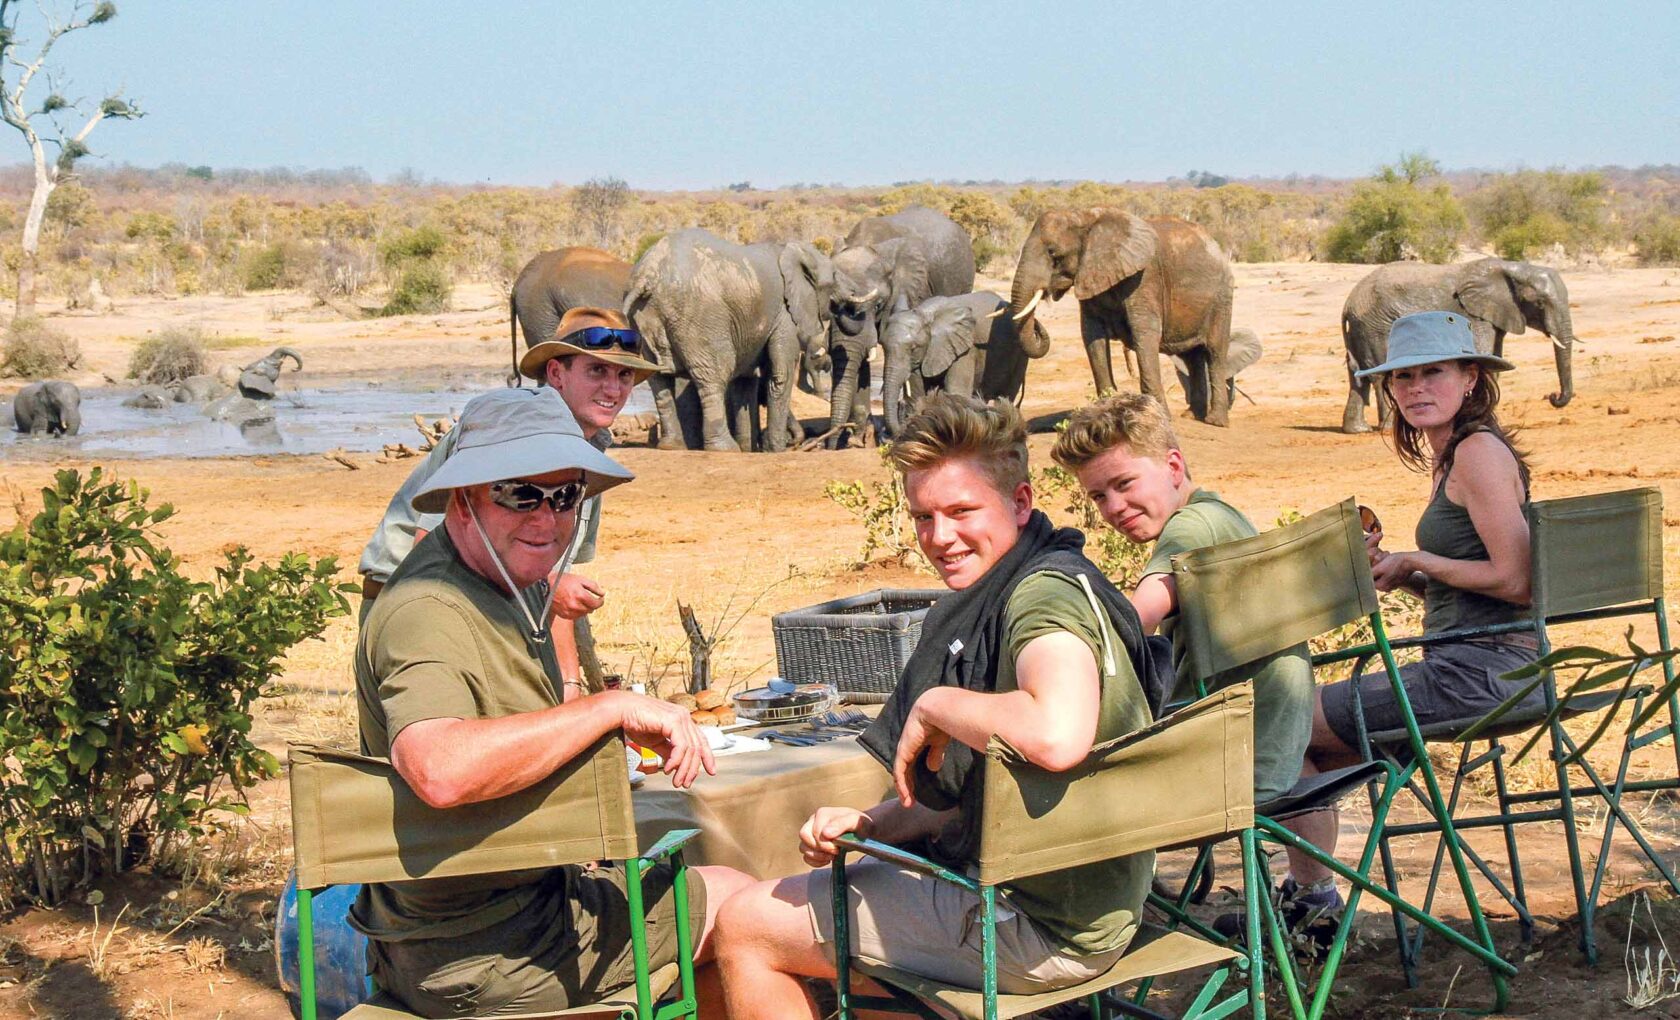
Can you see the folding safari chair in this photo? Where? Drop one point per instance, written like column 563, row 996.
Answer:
column 1186, row 779
column 355, row 820
column 1241, row 602
column 1593, row 557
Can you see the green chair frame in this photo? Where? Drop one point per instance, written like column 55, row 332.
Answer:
column 1038, row 822
column 354, row 820
column 1321, row 562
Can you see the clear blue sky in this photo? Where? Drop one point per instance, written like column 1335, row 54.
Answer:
column 696, row 95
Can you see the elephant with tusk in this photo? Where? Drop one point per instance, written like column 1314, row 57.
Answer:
column 1497, row 296
column 256, row 380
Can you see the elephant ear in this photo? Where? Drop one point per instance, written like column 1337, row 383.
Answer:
column 952, row 336
column 1485, row 292
column 907, row 272
column 1117, row 245
column 804, row 271
column 1243, row 351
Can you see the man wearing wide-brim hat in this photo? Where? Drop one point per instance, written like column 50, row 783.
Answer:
column 458, row 684
column 593, row 362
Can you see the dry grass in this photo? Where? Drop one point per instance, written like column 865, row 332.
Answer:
column 1650, row 980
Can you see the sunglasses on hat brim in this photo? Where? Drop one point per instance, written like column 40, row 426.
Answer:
column 523, row 497
column 600, row 338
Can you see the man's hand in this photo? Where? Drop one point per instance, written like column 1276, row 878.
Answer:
column 817, row 835
column 918, row 733
column 667, row 729
column 576, row 596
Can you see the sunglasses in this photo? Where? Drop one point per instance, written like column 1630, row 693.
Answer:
column 523, row 497
column 1368, row 519
column 599, row 338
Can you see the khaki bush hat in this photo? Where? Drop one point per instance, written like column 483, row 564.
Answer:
column 569, row 337
column 517, row 433
column 1423, row 338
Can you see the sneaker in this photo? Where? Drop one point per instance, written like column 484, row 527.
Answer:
column 1311, row 917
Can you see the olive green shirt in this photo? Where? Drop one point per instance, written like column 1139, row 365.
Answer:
column 441, row 642
column 1283, row 684
column 1095, row 907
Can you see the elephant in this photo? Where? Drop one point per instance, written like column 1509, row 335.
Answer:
column 151, row 398
column 197, row 389
column 886, row 264
column 558, row 280
column 48, row 408
column 1496, row 295
column 257, row 379
column 718, row 313
column 1159, row 286
column 962, row 344
column 1244, row 351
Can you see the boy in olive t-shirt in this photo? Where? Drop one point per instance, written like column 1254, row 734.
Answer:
column 1127, row 458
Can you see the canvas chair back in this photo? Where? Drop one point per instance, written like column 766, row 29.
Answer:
column 355, row 820
column 1241, row 601
column 1593, row 552
column 1185, row 779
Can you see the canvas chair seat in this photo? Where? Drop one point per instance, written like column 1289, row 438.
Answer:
column 1516, row 721
column 1313, row 792
column 1152, row 953
column 621, row 1003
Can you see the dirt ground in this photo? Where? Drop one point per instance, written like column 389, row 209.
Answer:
column 743, row 536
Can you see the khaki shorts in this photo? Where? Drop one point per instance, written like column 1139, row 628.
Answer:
column 913, row 922
column 570, row 947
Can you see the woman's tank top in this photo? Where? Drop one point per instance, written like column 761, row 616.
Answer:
column 1445, row 529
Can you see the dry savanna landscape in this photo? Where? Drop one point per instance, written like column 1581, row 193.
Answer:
column 739, row 537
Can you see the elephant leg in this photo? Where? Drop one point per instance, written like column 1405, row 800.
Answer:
column 1498, row 342
column 714, row 415
column 741, row 402
column 1359, row 394
column 1385, row 407
column 1145, row 328
column 1217, row 366
column 665, row 403
column 1095, row 334
column 1195, row 380
column 782, row 361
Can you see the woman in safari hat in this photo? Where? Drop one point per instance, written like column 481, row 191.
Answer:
column 1471, row 568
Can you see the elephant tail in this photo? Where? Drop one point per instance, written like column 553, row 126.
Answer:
column 649, row 323
column 513, row 378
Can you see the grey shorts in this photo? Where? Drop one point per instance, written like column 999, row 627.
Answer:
column 1456, row 682
column 542, row 960
column 912, row 922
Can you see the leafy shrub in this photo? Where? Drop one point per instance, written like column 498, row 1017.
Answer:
column 884, row 512
column 419, row 244
column 127, row 687
column 1529, row 211
column 423, row 288
column 34, row 350
column 169, row 356
column 1658, row 241
column 263, row 268
column 1392, row 217
column 1531, row 236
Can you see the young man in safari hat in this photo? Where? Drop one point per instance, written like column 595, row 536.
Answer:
column 593, row 363
column 458, row 684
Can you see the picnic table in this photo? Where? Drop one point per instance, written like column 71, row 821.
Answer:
column 749, row 814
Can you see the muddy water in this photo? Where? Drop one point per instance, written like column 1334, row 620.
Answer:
column 305, row 421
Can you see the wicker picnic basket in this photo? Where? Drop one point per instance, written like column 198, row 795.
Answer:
column 859, row 644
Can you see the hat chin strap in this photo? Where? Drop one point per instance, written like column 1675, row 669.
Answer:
column 536, row 632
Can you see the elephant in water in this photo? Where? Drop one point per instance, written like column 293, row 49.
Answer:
column 1159, row 286
column 52, row 407
column 886, row 265
column 258, row 378
column 199, row 389
column 963, row 344
column 721, row 315
column 1496, row 295
column 558, row 280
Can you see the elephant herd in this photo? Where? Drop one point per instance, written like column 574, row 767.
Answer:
column 736, row 327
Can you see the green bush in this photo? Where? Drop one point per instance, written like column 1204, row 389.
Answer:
column 1393, row 217
column 263, row 268
column 1526, row 212
column 169, row 356
column 645, row 242
column 34, row 350
column 127, row 688
column 417, row 245
column 1531, row 236
column 1657, row 241
column 423, row 288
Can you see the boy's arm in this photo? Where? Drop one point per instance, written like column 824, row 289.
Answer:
column 1155, row 598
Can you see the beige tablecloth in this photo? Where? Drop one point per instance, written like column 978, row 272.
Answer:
column 749, row 814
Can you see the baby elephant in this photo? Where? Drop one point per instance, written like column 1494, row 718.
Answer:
column 963, row 344
column 53, row 407
column 258, row 378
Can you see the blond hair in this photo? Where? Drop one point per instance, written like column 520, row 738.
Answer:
column 946, row 427
column 1138, row 421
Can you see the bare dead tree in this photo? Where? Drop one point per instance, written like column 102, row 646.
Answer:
column 597, row 203
column 70, row 145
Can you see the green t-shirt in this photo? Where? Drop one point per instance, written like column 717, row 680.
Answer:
column 1283, row 686
column 1093, row 908
column 442, row 643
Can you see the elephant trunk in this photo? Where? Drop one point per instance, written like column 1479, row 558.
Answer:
column 1563, row 351
column 845, row 388
column 286, row 352
column 893, row 376
column 1032, row 282
column 71, row 419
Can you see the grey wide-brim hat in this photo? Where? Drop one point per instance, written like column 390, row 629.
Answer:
column 517, row 433
column 1424, row 338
